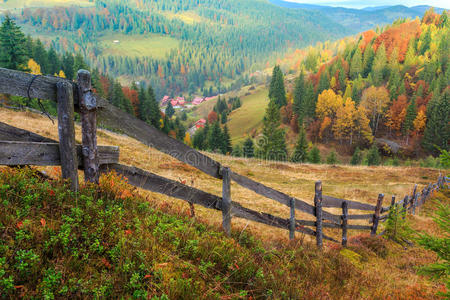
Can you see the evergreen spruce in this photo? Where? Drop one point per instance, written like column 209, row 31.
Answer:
column 332, row 158
column 249, row 148
column 12, row 46
column 169, row 110
column 356, row 157
column 301, row 148
column 356, row 65
column 314, row 155
column 226, row 141
column 277, row 92
column 411, row 113
column 373, row 156
column 215, row 138
column 437, row 130
column 274, row 145
column 237, row 151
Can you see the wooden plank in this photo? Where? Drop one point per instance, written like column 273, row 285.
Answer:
column 226, row 201
column 47, row 154
column 280, row 197
column 344, row 223
column 11, row 133
column 88, row 115
column 113, row 118
column 152, row 182
column 376, row 215
column 16, row 83
column 360, row 217
column 66, row 132
column 318, row 211
column 314, row 224
column 329, row 201
column 155, row 183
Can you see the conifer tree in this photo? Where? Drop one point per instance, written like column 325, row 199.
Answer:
column 301, row 148
column 314, row 155
column 356, row 65
column 237, row 151
column 68, row 65
column 373, row 156
column 226, row 141
column 169, row 110
column 356, row 157
column 276, row 90
column 40, row 55
column 274, row 146
column 248, row 149
column 215, row 138
column 369, row 56
column 332, row 158
column 437, row 130
column 12, row 46
column 379, row 65
column 299, row 96
column 411, row 113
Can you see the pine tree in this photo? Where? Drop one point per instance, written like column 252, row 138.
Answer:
column 248, row 149
column 356, row 157
column 199, row 139
column 314, row 155
column 155, row 113
column 79, row 63
column 437, row 130
column 373, row 156
column 227, row 147
column 301, row 148
column 356, row 66
column 379, row 65
column 54, row 64
column 411, row 113
column 12, row 46
column 68, row 65
column 277, row 92
column 369, row 56
column 274, row 146
column 237, row 151
column 299, row 97
column 169, row 110
column 215, row 138
column 40, row 55
column 332, row 158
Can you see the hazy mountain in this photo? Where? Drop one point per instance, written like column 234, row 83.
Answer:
column 358, row 20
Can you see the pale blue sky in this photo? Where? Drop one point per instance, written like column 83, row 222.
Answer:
column 361, row 4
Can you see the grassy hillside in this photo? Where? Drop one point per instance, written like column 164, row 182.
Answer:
column 116, row 241
column 151, row 45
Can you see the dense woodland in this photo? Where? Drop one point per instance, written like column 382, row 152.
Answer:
column 393, row 84
column 225, row 41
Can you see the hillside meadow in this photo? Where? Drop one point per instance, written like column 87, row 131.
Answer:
column 370, row 268
column 359, row 183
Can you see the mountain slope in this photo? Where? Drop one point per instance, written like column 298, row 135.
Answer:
column 358, row 20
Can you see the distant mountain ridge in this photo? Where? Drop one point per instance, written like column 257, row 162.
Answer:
column 358, row 20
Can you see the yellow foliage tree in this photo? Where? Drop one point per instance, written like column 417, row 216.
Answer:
column 61, row 74
column 187, row 139
column 34, row 67
column 375, row 100
column 345, row 123
column 362, row 126
column 327, row 104
column 420, row 122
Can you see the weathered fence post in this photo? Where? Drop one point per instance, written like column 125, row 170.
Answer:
column 376, row 216
column 414, row 203
column 318, row 211
column 405, row 206
column 413, row 197
column 344, row 222
column 292, row 219
column 226, row 200
column 392, row 202
column 88, row 113
column 66, row 132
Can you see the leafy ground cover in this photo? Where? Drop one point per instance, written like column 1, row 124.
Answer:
column 106, row 241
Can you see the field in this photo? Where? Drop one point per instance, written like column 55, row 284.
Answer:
column 354, row 183
column 152, row 45
column 249, row 116
column 19, row 4
column 380, row 275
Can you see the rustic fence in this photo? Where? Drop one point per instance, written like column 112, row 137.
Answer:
column 21, row 147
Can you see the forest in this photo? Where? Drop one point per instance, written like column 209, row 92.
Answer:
column 387, row 91
column 220, row 41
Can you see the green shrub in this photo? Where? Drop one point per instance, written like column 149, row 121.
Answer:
column 373, row 156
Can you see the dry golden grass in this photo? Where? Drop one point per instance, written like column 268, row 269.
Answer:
column 354, row 183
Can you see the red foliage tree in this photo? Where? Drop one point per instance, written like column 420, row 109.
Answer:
column 212, row 117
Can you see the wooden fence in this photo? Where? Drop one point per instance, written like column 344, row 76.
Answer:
column 21, row 147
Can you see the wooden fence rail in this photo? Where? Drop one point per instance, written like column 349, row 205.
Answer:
column 21, row 147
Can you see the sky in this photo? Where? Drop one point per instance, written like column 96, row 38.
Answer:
column 362, row 3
